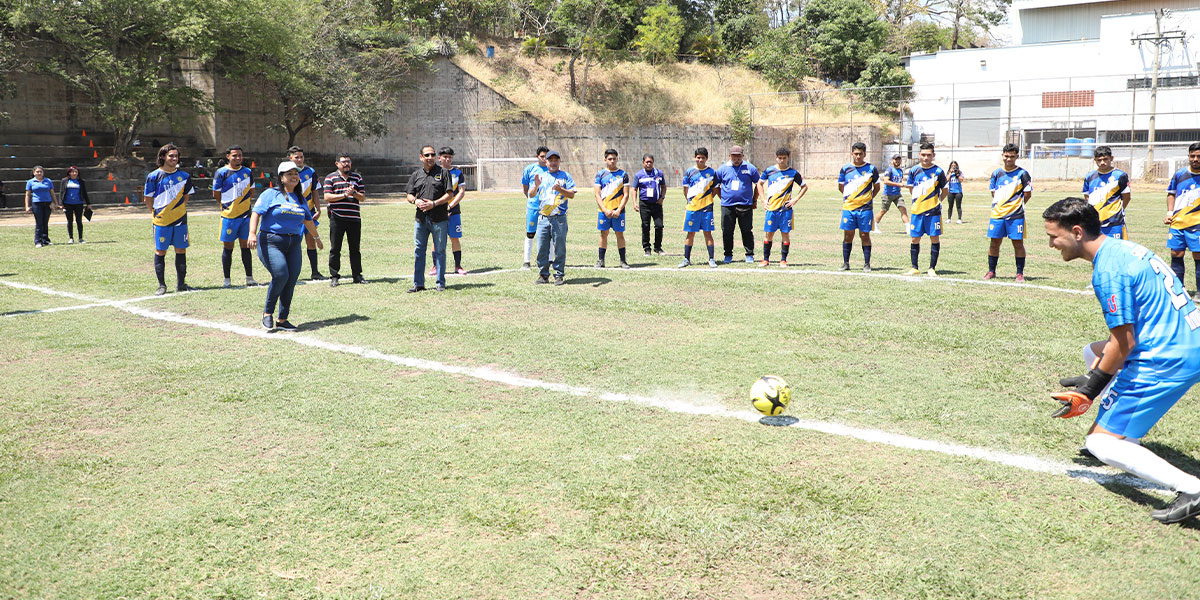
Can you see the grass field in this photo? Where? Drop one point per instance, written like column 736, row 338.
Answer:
column 506, row 440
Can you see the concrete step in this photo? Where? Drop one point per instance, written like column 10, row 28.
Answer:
column 73, row 138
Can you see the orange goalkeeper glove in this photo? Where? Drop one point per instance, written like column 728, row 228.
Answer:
column 1073, row 404
column 1079, row 400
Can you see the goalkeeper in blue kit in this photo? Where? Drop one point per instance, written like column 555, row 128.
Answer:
column 1150, row 360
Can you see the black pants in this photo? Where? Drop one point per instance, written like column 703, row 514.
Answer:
column 74, row 216
column 41, row 222
column 741, row 216
column 951, row 201
column 352, row 228
column 651, row 211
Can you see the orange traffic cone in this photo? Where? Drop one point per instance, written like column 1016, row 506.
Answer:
column 114, row 188
column 126, row 199
column 95, row 154
column 252, row 165
column 91, row 144
column 84, row 133
column 110, row 177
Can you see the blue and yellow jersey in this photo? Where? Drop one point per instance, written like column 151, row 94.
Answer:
column 310, row 186
column 1185, row 186
column 702, row 188
column 170, row 193
column 452, row 186
column 1137, row 288
column 550, row 202
column 1104, row 191
column 1008, row 193
column 612, row 187
column 527, row 178
column 780, row 185
column 234, row 187
column 858, row 186
column 927, row 186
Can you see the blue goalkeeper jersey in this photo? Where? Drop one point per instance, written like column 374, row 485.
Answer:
column 527, row 178
column 1137, row 288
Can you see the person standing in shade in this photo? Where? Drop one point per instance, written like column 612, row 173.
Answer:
column 277, row 222
column 458, row 190
column 1011, row 188
column 310, row 189
column 1108, row 191
column 893, row 180
column 233, row 185
column 166, row 194
column 612, row 193
column 554, row 189
column 1183, row 216
column 739, row 198
column 928, row 184
column 859, row 183
column 40, row 199
column 343, row 191
column 700, row 190
column 532, row 170
column 74, row 198
column 954, row 180
column 428, row 189
column 651, row 189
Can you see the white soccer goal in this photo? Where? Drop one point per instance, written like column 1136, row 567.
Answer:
column 504, row 174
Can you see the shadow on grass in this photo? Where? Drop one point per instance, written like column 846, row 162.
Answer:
column 483, row 270
column 8, row 274
column 314, row 325
column 593, row 281
column 467, row 286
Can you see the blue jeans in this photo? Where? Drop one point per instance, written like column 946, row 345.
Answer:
column 422, row 229
column 282, row 256
column 552, row 229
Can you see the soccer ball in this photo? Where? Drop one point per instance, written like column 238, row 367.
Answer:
column 770, row 395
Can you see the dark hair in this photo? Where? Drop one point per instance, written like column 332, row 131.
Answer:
column 1011, row 147
column 1073, row 211
column 430, row 146
column 858, row 146
column 649, row 156
column 446, row 150
column 295, row 149
column 36, row 167
column 782, row 151
column 72, row 168
column 927, row 145
column 341, row 156
column 1102, row 151
column 231, row 149
column 1194, row 147
column 954, row 166
column 610, row 152
column 162, row 153
column 540, row 150
column 702, row 151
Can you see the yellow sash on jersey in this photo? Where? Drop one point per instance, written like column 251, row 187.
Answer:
column 779, row 192
column 702, row 194
column 612, row 193
column 857, row 192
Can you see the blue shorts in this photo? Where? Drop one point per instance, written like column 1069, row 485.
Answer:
column 171, row 235
column 1181, row 239
column 531, row 219
column 698, row 220
column 929, row 224
column 235, row 229
column 778, row 220
column 1132, row 407
column 1117, row 231
column 1013, row 229
column 862, row 220
column 616, row 223
column 455, row 230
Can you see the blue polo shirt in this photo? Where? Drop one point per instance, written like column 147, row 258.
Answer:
column 893, row 174
column 282, row 214
column 40, row 190
column 737, row 184
column 650, row 185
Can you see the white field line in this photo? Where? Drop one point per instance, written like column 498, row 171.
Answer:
column 1021, row 461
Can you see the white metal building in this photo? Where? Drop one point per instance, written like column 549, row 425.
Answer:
column 1073, row 71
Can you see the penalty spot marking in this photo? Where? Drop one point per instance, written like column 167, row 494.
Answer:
column 1020, row 461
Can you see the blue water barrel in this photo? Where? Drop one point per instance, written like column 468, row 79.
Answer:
column 1089, row 146
column 491, row 52
column 1073, row 146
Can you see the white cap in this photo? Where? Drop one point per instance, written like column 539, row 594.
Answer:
column 286, row 166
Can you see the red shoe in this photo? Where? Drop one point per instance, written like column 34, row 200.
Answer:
column 460, row 271
column 989, row 275
column 764, row 263
column 783, row 263
column 1020, row 278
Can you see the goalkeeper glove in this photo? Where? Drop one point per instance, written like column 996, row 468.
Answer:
column 1077, row 402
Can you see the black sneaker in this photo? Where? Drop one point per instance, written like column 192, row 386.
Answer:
column 162, row 289
column 359, row 279
column 334, row 282
column 416, row 288
column 646, row 253
column 284, row 325
column 268, row 322
column 1184, row 506
column 558, row 280
column 524, row 265
column 540, row 280
column 317, row 276
column 183, row 287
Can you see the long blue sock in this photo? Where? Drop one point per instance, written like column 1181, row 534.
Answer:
column 867, row 255
column 846, row 248
column 1177, row 267
column 934, row 250
column 687, row 252
column 602, row 251
column 710, row 252
column 914, row 252
column 621, row 251
column 1020, row 265
column 992, row 262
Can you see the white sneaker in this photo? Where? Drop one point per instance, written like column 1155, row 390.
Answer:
column 959, row 221
column 71, row 241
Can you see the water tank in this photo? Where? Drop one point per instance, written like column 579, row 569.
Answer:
column 491, row 52
column 1089, row 145
column 1073, row 146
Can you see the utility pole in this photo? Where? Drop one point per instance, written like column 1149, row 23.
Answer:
column 1158, row 39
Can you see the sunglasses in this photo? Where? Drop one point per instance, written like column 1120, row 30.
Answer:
column 429, row 155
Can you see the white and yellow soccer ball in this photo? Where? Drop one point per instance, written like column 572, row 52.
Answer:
column 770, row 395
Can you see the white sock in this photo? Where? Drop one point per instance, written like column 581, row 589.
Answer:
column 1133, row 458
column 528, row 248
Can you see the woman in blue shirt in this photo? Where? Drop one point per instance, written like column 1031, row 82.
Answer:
column 75, row 197
column 280, row 216
column 39, row 199
column 954, row 175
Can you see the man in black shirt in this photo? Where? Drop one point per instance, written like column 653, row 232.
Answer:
column 344, row 190
column 428, row 189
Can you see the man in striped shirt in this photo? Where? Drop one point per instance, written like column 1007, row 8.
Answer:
column 344, row 190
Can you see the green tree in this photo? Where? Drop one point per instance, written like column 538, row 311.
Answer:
column 781, row 57
column 884, row 84
column 660, row 33
column 740, row 33
column 841, row 35
column 925, row 36
column 708, row 48
column 966, row 19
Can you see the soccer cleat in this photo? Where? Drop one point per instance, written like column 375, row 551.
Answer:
column 764, row 263
column 317, row 276
column 283, row 325
column 866, row 268
column 416, row 288
column 460, row 271
column 524, row 265
column 625, row 265
column 783, row 263
column 749, row 259
column 334, row 282
column 227, row 284
column 844, row 267
column 599, row 264
column 931, row 272
column 558, row 280
column 913, row 271
column 541, row 279
column 162, row 289
column 1184, row 506
column 1020, row 278
column 268, row 322
column 685, row 263
column 989, row 275
column 250, row 282
column 712, row 264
